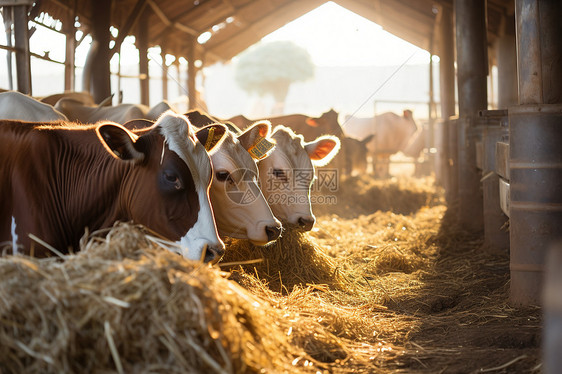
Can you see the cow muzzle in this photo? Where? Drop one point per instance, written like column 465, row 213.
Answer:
column 213, row 254
column 306, row 223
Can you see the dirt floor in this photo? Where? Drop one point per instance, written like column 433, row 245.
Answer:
column 385, row 283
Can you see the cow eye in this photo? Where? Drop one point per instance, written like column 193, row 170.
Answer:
column 173, row 179
column 222, row 175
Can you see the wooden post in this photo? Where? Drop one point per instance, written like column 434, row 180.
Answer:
column 472, row 63
column 69, row 67
column 21, row 38
column 447, row 98
column 8, row 20
column 142, row 45
column 191, row 72
column 507, row 64
column 164, row 73
column 100, row 79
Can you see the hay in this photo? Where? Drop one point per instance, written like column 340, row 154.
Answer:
column 380, row 292
column 294, row 259
column 363, row 195
column 123, row 304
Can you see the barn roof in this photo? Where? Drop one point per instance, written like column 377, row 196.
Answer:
column 234, row 25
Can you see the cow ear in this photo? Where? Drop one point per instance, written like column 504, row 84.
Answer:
column 119, row 142
column 323, row 149
column 211, row 136
column 311, row 122
column 199, row 118
column 138, row 124
column 255, row 140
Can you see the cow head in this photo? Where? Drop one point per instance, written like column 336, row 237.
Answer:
column 286, row 176
column 328, row 123
column 240, row 208
column 166, row 188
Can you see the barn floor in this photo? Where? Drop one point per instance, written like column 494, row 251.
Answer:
column 385, row 283
column 426, row 297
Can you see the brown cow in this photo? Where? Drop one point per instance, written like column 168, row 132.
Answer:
column 310, row 128
column 59, row 178
column 355, row 153
column 391, row 135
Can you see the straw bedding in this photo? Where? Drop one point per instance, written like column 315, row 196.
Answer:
column 387, row 289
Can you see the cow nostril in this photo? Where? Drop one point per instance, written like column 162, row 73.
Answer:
column 306, row 223
column 273, row 232
column 214, row 254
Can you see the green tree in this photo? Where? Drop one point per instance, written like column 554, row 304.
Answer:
column 271, row 69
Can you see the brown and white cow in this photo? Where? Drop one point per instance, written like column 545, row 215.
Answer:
column 17, row 106
column 240, row 208
column 286, row 176
column 391, row 135
column 58, row 179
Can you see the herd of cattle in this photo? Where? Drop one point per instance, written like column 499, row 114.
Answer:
column 67, row 164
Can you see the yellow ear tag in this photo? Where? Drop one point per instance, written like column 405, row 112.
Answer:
column 210, row 138
column 261, row 148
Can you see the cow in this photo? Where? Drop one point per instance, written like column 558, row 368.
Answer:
column 355, row 153
column 309, row 127
column 84, row 97
column 121, row 113
column 60, row 178
column 286, row 176
column 240, row 208
column 76, row 111
column 17, row 106
column 391, row 135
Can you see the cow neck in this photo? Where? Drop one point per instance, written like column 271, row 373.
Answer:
column 90, row 182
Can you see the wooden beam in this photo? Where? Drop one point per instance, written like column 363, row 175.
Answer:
column 142, row 45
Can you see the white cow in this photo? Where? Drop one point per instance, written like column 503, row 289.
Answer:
column 239, row 205
column 17, row 106
column 391, row 135
column 286, row 176
column 121, row 113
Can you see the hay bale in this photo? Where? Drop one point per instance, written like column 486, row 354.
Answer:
column 124, row 304
column 294, row 259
